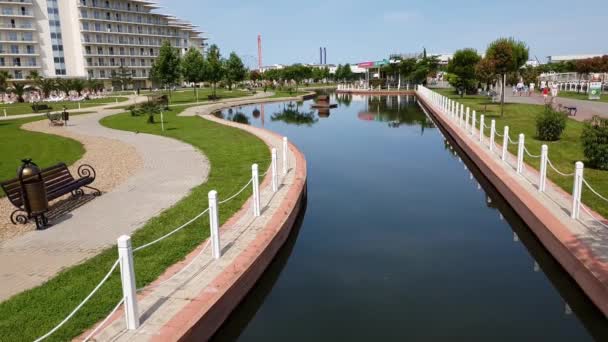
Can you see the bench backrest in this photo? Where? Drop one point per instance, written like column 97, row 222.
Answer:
column 54, row 178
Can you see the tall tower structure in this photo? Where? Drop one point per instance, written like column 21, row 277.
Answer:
column 260, row 51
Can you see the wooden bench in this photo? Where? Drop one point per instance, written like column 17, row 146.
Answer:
column 571, row 110
column 58, row 181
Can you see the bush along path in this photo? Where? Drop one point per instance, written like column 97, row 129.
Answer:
column 563, row 153
column 230, row 152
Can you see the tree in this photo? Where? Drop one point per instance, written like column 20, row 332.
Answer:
column 235, row 70
column 19, row 90
column 255, row 75
column 64, row 85
column 297, row 73
column 34, row 75
column 462, row 70
column 166, row 67
column 122, row 76
column 78, row 86
column 347, row 73
column 193, row 67
column 529, row 74
column 94, row 85
column 4, row 77
column 485, row 72
column 507, row 55
column 339, row 73
column 407, row 68
column 46, row 86
column 214, row 71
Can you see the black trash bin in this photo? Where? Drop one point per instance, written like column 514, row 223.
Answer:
column 33, row 192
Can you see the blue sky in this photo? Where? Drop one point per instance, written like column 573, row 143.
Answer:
column 357, row 30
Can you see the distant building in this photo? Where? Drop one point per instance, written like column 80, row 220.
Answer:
column 567, row 58
column 88, row 38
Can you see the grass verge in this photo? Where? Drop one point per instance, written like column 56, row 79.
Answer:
column 231, row 152
column 26, row 108
column 521, row 118
column 44, row 149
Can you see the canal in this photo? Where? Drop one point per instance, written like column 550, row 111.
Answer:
column 402, row 239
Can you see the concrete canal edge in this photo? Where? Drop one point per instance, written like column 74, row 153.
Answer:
column 578, row 260
column 199, row 322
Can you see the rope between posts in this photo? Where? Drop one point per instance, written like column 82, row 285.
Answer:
column 171, row 233
column 81, row 303
column 593, row 217
column 104, row 321
column 558, row 171
column 513, row 142
column 498, row 134
column 530, row 154
column 594, row 191
column 238, row 193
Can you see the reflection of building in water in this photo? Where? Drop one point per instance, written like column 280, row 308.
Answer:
column 396, row 111
column 324, row 112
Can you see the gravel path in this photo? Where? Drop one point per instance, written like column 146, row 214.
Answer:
column 170, row 170
column 112, row 169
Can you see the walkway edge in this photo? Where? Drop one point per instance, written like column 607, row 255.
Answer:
column 200, row 322
column 579, row 261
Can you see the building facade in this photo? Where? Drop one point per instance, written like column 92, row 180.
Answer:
column 88, row 38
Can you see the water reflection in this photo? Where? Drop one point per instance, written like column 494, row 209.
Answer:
column 291, row 114
column 575, row 300
column 396, row 111
column 232, row 114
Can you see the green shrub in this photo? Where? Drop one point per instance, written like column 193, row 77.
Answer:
column 595, row 142
column 550, row 124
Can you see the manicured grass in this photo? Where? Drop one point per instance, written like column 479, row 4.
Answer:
column 285, row 93
column 581, row 96
column 231, row 153
column 521, row 118
column 45, row 149
column 189, row 96
column 26, row 108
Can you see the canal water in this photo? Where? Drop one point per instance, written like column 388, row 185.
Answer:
column 402, row 239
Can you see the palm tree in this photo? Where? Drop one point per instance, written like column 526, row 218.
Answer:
column 94, row 85
column 34, row 76
column 19, row 90
column 78, row 86
column 4, row 77
column 46, row 86
column 65, row 85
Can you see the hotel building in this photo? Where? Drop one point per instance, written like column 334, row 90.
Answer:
column 88, row 38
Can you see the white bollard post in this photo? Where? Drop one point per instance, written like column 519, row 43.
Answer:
column 466, row 120
column 285, row 149
column 482, row 120
column 544, row 157
column 214, row 228
column 505, row 143
column 127, row 277
column 578, row 190
column 461, row 117
column 162, row 121
column 473, row 122
column 520, row 154
column 492, row 135
column 275, row 183
column 255, row 176
column 78, row 104
column 5, row 112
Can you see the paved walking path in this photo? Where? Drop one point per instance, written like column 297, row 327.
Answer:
column 166, row 307
column 170, row 170
column 586, row 109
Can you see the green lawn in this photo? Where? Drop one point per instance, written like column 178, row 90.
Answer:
column 189, row 96
column 45, row 149
column 26, row 108
column 581, row 96
column 231, row 153
column 521, row 118
column 285, row 93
